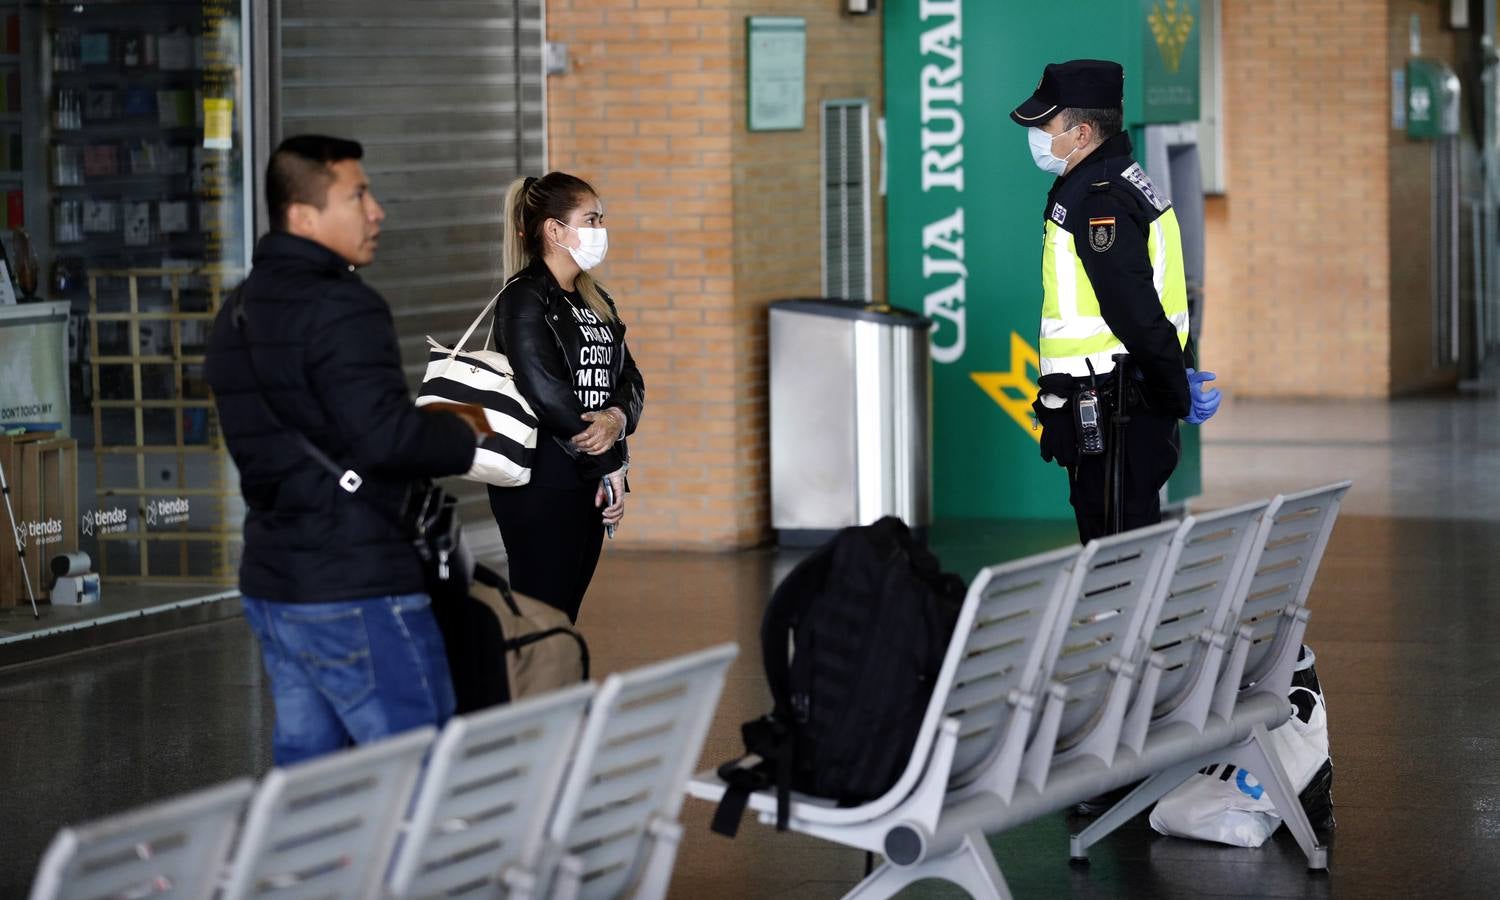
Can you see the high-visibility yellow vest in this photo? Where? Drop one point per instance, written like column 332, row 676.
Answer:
column 1073, row 333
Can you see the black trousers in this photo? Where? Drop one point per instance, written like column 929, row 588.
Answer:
column 1152, row 447
column 553, row 537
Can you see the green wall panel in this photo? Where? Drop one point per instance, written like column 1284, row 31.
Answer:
column 965, row 213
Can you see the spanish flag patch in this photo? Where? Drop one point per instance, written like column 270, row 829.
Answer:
column 1102, row 233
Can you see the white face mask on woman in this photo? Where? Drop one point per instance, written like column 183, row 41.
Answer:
column 593, row 244
column 1041, row 150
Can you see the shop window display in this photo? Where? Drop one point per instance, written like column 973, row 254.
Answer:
column 124, row 179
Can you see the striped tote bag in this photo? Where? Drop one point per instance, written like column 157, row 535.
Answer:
column 484, row 377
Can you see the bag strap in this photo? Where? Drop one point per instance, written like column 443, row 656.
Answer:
column 434, row 504
column 516, row 644
column 772, row 745
column 786, row 608
column 474, row 326
column 490, row 578
column 741, row 781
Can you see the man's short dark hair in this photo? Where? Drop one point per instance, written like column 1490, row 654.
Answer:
column 1106, row 122
column 299, row 172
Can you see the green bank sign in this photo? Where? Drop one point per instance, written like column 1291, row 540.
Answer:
column 1166, row 85
column 965, row 210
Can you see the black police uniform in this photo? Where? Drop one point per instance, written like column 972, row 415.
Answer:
column 1119, row 269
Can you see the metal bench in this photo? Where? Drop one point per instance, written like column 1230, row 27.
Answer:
column 178, row 846
column 1264, row 620
column 983, row 710
column 1114, row 670
column 615, row 831
column 1266, row 611
column 326, row 827
column 480, row 818
column 570, row 794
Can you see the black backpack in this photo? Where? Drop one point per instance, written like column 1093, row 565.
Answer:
column 853, row 640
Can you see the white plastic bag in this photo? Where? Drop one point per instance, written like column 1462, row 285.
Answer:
column 1227, row 804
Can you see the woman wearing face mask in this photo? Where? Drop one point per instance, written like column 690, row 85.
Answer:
column 566, row 342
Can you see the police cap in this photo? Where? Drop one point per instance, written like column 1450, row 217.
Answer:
column 1076, row 84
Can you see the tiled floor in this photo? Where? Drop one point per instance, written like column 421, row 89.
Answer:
column 1408, row 650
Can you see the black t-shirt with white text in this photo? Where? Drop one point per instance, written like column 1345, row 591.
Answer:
column 593, row 369
column 593, row 383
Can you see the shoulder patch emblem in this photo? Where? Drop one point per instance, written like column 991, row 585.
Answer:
column 1059, row 215
column 1102, row 233
column 1138, row 177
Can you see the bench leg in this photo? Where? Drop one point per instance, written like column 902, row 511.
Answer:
column 661, row 855
column 1255, row 756
column 1131, row 805
column 568, row 881
column 520, row 883
column 972, row 867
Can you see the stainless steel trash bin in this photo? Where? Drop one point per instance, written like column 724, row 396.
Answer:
column 851, row 437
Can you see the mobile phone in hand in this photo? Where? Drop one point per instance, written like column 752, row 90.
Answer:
column 609, row 500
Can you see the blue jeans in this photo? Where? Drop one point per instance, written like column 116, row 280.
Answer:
column 351, row 671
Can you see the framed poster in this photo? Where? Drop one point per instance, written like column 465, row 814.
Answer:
column 34, row 365
column 776, row 62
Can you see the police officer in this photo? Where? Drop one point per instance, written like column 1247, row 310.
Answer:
column 1113, row 283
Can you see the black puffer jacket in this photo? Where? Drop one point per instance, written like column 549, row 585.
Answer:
column 528, row 316
column 325, row 357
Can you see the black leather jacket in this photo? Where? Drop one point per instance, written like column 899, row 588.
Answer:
column 526, row 330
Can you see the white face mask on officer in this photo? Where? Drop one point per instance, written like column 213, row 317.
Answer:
column 593, row 244
column 1041, row 150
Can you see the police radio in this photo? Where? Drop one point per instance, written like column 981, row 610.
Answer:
column 1086, row 414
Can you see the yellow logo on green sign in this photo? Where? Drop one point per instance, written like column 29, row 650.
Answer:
column 1171, row 27
column 1014, row 390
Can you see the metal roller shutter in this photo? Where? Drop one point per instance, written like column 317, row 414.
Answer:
column 448, row 98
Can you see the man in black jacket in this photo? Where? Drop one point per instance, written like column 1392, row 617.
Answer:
column 332, row 585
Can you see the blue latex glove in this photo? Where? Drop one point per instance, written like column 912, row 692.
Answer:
column 1205, row 403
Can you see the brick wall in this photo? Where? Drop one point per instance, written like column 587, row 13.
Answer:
column 778, row 209
column 707, row 223
column 1301, row 239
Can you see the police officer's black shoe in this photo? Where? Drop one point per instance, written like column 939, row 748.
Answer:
column 1098, row 806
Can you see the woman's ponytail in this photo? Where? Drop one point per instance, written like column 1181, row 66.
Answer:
column 514, row 255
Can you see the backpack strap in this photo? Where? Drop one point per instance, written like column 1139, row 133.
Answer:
column 786, row 607
column 780, row 613
column 742, row 781
column 771, row 759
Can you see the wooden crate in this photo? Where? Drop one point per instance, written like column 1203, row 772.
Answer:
column 42, row 471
